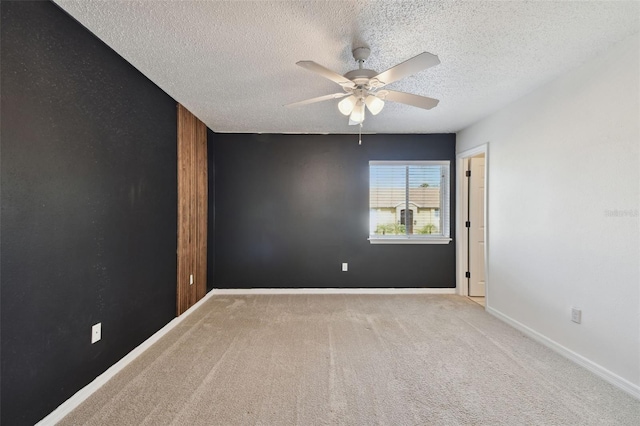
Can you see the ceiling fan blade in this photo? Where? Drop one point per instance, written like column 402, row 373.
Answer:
column 326, row 73
column 410, row 99
column 409, row 67
column 318, row 99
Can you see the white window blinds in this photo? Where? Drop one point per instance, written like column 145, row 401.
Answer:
column 409, row 199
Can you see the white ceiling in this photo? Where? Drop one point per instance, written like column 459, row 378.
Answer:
column 232, row 63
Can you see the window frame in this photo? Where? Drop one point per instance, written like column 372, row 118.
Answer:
column 445, row 207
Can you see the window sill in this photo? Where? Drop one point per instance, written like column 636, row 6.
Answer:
column 409, row 240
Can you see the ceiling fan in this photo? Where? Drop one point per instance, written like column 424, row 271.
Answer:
column 362, row 86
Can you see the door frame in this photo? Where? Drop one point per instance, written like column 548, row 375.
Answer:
column 462, row 190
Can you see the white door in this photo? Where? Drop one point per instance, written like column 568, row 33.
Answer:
column 476, row 231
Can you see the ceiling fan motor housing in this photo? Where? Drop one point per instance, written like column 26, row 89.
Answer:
column 360, row 76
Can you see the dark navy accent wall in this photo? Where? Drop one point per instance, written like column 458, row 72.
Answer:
column 289, row 209
column 211, row 208
column 88, row 208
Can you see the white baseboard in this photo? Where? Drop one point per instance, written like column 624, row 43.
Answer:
column 84, row 393
column 251, row 291
column 598, row 370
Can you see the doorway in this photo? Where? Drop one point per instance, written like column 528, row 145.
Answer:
column 472, row 224
column 475, row 227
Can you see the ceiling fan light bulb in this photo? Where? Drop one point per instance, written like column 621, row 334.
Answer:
column 357, row 115
column 374, row 104
column 346, row 105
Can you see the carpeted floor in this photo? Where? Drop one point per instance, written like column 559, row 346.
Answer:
column 351, row 360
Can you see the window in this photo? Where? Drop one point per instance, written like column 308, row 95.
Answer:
column 409, row 202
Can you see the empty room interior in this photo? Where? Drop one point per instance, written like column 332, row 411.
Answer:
column 300, row 212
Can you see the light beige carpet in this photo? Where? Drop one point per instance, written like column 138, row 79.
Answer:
column 351, row 360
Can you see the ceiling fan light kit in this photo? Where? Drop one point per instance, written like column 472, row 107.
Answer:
column 362, row 86
column 374, row 104
column 346, row 105
column 357, row 115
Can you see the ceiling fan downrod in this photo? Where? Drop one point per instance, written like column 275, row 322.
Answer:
column 360, row 54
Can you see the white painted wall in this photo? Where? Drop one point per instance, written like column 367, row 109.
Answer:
column 560, row 159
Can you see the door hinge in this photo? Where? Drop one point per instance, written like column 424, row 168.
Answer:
column 467, row 224
column 467, row 274
column 467, row 173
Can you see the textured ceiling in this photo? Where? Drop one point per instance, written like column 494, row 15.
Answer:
column 232, row 63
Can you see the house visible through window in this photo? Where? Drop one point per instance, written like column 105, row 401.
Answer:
column 406, row 199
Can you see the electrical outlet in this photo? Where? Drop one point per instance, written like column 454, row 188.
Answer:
column 345, row 267
column 576, row 315
column 96, row 332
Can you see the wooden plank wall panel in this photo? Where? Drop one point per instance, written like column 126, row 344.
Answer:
column 192, row 209
column 183, row 209
column 202, row 213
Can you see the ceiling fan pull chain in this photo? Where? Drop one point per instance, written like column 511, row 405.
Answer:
column 360, row 135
